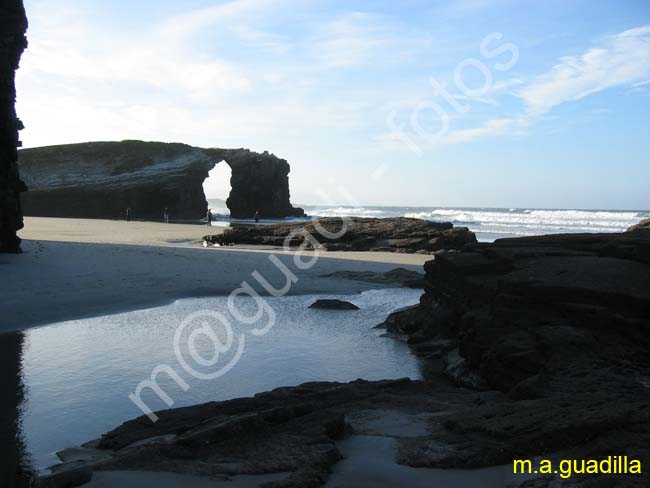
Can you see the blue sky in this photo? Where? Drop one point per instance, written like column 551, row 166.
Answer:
column 545, row 104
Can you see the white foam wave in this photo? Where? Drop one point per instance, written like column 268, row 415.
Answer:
column 490, row 221
column 347, row 212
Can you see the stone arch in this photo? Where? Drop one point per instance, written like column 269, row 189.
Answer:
column 102, row 179
column 217, row 186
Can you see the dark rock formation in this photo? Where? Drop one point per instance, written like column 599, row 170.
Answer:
column 293, row 431
column 561, row 325
column 398, row 234
column 332, row 304
column 643, row 225
column 13, row 25
column 260, row 182
column 103, row 179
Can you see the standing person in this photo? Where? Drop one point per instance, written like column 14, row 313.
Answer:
column 208, row 218
column 257, row 216
column 166, row 215
column 128, row 214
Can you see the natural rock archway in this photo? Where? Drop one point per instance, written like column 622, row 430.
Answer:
column 13, row 24
column 103, row 179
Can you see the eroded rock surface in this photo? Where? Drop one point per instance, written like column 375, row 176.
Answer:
column 399, row 234
column 559, row 324
column 103, row 179
column 292, row 430
column 13, row 24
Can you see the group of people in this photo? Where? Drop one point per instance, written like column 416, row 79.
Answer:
column 208, row 217
column 165, row 215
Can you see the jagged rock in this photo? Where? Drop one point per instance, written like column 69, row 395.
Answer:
column 399, row 234
column 332, row 304
column 520, row 307
column 643, row 225
column 561, row 325
column 13, row 24
column 291, row 430
column 103, row 179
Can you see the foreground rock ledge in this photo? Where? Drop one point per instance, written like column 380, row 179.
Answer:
column 399, row 234
column 559, row 324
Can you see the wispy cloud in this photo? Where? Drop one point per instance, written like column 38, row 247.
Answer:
column 620, row 60
column 362, row 37
column 194, row 20
column 491, row 128
column 153, row 57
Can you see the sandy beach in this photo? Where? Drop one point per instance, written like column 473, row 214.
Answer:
column 73, row 268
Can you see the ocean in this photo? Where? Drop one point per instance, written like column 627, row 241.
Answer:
column 488, row 223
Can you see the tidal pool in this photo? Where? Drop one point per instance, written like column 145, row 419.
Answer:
column 77, row 375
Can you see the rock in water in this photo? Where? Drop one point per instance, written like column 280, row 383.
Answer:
column 13, row 24
column 103, row 179
column 332, row 304
column 398, row 234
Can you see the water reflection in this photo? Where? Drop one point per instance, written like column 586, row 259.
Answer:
column 14, row 462
column 78, row 374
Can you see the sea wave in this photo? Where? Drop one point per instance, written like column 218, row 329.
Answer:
column 493, row 222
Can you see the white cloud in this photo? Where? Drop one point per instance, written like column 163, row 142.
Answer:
column 220, row 14
column 622, row 60
column 491, row 128
column 69, row 51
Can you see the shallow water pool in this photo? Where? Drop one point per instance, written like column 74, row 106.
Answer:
column 78, row 374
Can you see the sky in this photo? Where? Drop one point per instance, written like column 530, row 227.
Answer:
column 476, row 103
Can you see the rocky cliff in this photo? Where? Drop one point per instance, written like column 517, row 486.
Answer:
column 561, row 325
column 103, row 179
column 13, row 24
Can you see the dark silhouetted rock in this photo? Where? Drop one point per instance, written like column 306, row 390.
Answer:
column 103, row 179
column 399, row 234
column 290, row 430
column 13, row 24
column 332, row 304
column 561, row 325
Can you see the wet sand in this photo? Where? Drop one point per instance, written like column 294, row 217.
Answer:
column 74, row 268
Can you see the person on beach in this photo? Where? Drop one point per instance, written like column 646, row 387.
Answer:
column 166, row 215
column 128, row 214
column 257, row 216
column 208, row 218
